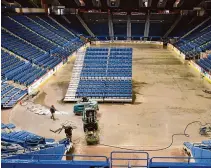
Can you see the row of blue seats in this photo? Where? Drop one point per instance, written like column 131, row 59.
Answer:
column 27, row 34
column 106, row 74
column 120, row 57
column 100, row 71
column 52, row 26
column 9, row 126
column 205, row 64
column 25, row 74
column 40, row 30
column 119, row 66
column 105, row 81
column 7, row 60
column 104, row 68
column 94, row 62
column 195, row 43
column 29, row 52
column 104, row 62
column 121, row 49
column 13, row 97
column 96, row 49
column 20, row 47
column 100, row 53
column 107, row 90
column 16, row 98
column 120, row 53
column 94, row 66
column 108, row 95
column 103, row 87
column 10, row 95
column 94, row 56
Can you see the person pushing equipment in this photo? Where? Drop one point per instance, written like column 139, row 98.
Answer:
column 53, row 110
column 68, row 132
column 85, row 99
column 67, row 129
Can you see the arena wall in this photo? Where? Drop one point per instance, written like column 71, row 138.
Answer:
column 205, row 74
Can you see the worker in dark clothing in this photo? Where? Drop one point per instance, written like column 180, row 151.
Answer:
column 53, row 110
column 68, row 132
column 67, row 129
column 85, row 99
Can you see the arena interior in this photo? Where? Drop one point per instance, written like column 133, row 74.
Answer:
column 131, row 80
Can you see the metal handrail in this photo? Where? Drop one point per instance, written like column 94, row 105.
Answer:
column 71, row 155
column 128, row 152
column 180, row 157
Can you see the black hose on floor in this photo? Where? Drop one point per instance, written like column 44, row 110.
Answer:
column 172, row 139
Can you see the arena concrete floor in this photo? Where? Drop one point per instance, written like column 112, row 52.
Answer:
column 167, row 96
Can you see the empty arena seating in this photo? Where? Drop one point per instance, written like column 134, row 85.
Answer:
column 18, row 70
column 205, row 63
column 196, row 42
column 106, row 74
column 23, row 144
column 40, row 30
column 10, row 95
column 20, row 47
column 199, row 151
column 19, row 137
column 32, row 45
column 120, row 62
column 27, row 34
column 52, row 26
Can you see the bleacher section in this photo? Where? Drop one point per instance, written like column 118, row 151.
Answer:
column 48, row 39
column 33, row 45
column 106, row 75
column 28, row 52
column 196, row 42
column 40, row 29
column 23, row 144
column 27, row 34
column 53, row 26
column 10, row 95
column 205, row 63
column 199, row 151
column 19, row 71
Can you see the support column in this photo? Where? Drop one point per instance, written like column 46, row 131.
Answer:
column 147, row 25
column 128, row 27
column 110, row 26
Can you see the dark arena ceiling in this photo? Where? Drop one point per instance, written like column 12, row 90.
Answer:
column 121, row 5
column 132, row 5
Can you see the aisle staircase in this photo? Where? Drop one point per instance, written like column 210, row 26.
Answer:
column 77, row 68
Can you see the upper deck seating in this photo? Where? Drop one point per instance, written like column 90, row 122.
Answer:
column 40, row 30
column 27, row 34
